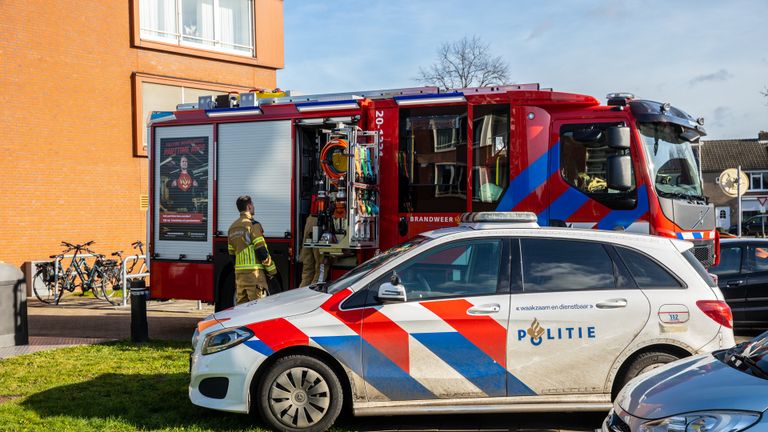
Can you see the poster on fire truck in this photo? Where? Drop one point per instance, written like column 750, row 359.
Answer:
column 183, row 189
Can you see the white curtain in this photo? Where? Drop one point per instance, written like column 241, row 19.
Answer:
column 158, row 18
column 206, row 21
column 234, row 24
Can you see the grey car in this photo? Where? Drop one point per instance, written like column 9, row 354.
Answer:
column 725, row 391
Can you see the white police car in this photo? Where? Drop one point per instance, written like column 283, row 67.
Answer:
column 495, row 315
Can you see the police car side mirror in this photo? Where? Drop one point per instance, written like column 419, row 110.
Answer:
column 389, row 292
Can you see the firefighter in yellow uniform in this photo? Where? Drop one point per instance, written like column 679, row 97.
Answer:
column 252, row 260
column 309, row 257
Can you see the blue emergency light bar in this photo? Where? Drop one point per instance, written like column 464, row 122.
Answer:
column 230, row 112
column 430, row 98
column 327, row 105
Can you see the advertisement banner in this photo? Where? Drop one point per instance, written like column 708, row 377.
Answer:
column 184, row 189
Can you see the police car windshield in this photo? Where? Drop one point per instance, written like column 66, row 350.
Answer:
column 372, row 264
column 671, row 160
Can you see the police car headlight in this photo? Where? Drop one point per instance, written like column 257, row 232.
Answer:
column 221, row 340
column 705, row 421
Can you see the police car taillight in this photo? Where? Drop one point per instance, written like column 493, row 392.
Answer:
column 718, row 310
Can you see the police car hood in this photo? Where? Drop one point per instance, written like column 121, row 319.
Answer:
column 698, row 383
column 282, row 305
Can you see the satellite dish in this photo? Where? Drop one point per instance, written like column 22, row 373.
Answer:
column 729, row 181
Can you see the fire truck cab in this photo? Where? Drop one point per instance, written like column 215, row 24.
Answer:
column 379, row 167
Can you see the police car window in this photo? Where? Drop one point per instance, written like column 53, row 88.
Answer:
column 565, row 265
column 646, row 272
column 372, row 264
column 584, row 156
column 730, row 261
column 455, row 270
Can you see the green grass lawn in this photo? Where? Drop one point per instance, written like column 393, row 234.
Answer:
column 110, row 387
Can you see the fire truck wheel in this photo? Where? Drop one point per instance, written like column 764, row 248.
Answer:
column 299, row 393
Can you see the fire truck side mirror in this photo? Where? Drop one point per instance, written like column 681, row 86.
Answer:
column 618, row 137
column 620, row 172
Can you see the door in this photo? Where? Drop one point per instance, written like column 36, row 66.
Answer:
column 432, row 168
column 723, row 217
column 579, row 196
column 756, row 286
column 448, row 339
column 732, row 278
column 573, row 312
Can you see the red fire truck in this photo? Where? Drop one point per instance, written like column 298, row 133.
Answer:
column 379, row 167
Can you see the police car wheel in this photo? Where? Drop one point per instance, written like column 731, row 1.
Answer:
column 643, row 363
column 300, row 393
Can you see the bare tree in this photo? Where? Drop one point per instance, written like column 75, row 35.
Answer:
column 465, row 63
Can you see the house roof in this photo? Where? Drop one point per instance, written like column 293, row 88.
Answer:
column 718, row 155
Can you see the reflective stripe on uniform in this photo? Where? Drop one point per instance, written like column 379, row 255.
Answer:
column 246, row 260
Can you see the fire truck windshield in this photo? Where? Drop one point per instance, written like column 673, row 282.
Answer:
column 671, row 161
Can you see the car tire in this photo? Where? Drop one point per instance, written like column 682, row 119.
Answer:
column 643, row 363
column 299, row 394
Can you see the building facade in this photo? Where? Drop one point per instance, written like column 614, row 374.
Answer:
column 752, row 156
column 77, row 80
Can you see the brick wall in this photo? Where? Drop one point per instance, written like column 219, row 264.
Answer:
column 66, row 115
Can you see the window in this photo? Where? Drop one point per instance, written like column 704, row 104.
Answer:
column 565, row 265
column 490, row 156
column 584, row 160
column 449, row 180
column 432, row 160
column 730, row 260
column 163, row 94
column 758, row 181
column 646, row 272
column 218, row 25
column 757, row 258
column 459, row 269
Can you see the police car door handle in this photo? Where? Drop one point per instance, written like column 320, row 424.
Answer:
column 734, row 283
column 485, row 309
column 612, row 304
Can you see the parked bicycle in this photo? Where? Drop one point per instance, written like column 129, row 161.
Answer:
column 91, row 277
column 136, row 264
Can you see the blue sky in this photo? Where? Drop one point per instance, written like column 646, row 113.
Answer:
column 708, row 58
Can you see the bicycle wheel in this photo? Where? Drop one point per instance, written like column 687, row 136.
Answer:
column 67, row 284
column 111, row 288
column 43, row 286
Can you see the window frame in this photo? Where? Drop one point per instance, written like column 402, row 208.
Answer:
column 606, row 248
column 761, row 176
column 194, row 49
column 139, row 129
column 679, row 280
column 600, row 197
column 748, row 261
column 503, row 283
column 742, row 260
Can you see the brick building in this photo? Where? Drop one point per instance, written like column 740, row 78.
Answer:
column 719, row 155
column 77, row 79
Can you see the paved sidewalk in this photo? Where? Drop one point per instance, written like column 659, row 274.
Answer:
column 89, row 321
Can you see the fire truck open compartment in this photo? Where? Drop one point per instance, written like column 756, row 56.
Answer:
column 337, row 176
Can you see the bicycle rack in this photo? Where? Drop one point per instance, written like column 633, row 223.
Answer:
column 58, row 265
column 125, row 276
